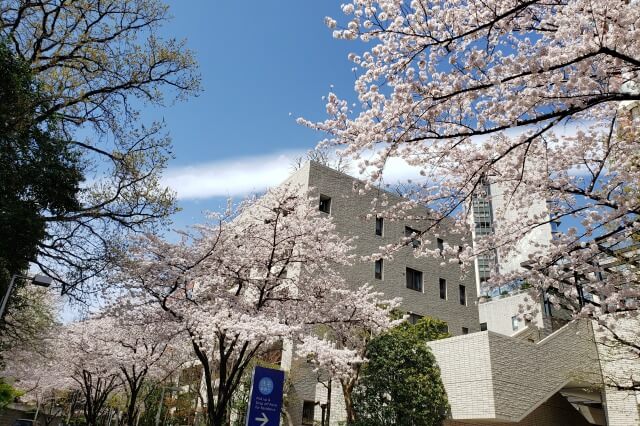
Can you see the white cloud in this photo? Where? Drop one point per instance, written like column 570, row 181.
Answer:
column 244, row 175
column 231, row 177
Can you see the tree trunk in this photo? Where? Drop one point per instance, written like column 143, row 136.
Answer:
column 347, row 390
column 212, row 418
column 228, row 377
column 131, row 408
column 96, row 392
column 74, row 397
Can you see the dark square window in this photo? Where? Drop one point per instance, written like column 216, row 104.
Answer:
column 379, row 225
column 325, row 204
column 308, row 412
column 440, row 243
column 465, row 330
column 443, row 289
column 414, row 318
column 463, row 295
column 483, row 326
column 413, row 233
column 378, row 269
column 414, row 279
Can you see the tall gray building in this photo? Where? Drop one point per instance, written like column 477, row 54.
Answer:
column 425, row 286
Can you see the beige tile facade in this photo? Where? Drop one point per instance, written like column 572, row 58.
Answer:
column 491, row 376
column 556, row 411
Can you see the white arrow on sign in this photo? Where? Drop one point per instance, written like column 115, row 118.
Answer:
column 263, row 419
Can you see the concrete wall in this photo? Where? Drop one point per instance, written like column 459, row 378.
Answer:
column 507, row 213
column 526, row 374
column 620, row 367
column 498, row 312
column 349, row 210
column 556, row 411
column 465, row 369
column 622, row 407
column 491, row 376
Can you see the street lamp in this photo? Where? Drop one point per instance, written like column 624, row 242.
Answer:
column 39, row 280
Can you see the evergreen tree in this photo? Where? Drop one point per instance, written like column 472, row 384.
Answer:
column 400, row 384
column 38, row 173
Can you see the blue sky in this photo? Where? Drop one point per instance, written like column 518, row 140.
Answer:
column 260, row 61
column 263, row 63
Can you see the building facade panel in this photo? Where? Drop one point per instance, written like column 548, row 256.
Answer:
column 349, row 212
column 491, row 376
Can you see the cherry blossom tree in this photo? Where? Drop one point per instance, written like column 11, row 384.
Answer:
column 143, row 347
column 265, row 273
column 72, row 361
column 539, row 99
column 340, row 350
column 99, row 357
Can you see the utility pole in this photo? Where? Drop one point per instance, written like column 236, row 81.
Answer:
column 160, row 406
column 329, row 403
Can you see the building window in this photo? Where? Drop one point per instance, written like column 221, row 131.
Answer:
column 463, row 295
column 379, row 225
column 443, row 289
column 485, row 264
column 414, row 318
column 378, row 269
column 440, row 243
column 465, row 330
column 325, row 204
column 412, row 233
column 483, row 326
column 308, row 412
column 514, row 322
column 484, row 228
column 414, row 279
column 482, row 214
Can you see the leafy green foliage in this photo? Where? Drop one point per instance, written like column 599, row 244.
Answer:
column 400, row 384
column 31, row 313
column 96, row 62
column 426, row 328
column 7, row 393
column 38, row 171
column 38, row 174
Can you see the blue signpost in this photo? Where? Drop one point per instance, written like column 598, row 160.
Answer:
column 265, row 401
